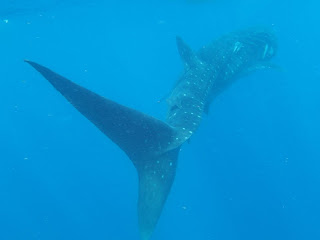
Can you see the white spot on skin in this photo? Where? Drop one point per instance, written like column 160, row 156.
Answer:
column 170, row 163
column 6, row 20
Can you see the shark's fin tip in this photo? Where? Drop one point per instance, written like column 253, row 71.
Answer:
column 185, row 52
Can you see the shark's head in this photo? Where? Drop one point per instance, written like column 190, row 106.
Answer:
column 263, row 42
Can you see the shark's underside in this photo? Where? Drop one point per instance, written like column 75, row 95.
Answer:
column 152, row 145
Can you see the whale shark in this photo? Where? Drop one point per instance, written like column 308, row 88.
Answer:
column 152, row 145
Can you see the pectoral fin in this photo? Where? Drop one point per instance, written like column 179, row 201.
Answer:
column 260, row 66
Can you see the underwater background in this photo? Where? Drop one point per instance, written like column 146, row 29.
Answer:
column 250, row 172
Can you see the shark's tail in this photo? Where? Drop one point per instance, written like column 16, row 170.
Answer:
column 144, row 139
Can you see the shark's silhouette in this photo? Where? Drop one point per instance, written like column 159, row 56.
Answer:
column 152, row 145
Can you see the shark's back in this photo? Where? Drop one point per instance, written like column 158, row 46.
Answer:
column 213, row 68
column 245, row 47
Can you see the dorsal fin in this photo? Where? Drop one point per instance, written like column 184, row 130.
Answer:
column 185, row 52
column 144, row 139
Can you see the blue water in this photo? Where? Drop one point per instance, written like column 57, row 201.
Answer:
column 250, row 172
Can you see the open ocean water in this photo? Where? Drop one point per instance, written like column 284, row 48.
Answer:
column 251, row 171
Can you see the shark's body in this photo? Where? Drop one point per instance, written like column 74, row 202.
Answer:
column 153, row 145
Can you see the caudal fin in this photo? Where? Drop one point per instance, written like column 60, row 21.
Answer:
column 144, row 139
